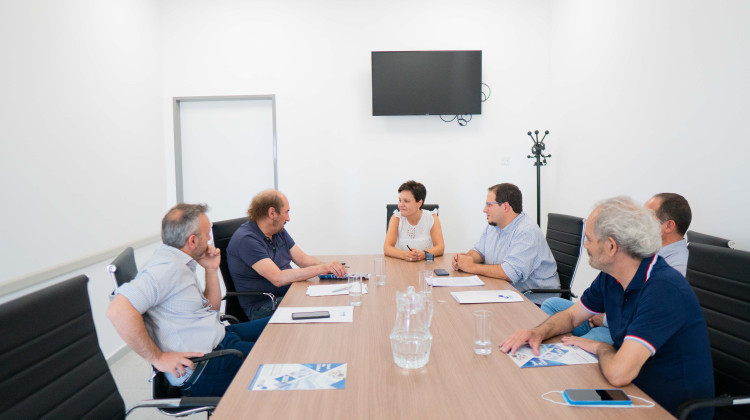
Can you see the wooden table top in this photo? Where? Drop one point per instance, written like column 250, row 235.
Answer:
column 455, row 383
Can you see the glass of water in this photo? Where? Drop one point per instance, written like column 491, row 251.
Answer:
column 380, row 271
column 425, row 282
column 355, row 289
column 482, row 336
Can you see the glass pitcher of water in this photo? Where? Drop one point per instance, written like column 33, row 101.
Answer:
column 411, row 338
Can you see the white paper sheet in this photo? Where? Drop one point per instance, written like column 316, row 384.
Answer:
column 283, row 314
column 331, row 289
column 487, row 296
column 456, row 281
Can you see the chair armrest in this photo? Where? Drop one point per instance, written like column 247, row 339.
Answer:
column 269, row 295
column 531, row 291
column 229, row 318
column 724, row 401
column 218, row 353
column 200, row 403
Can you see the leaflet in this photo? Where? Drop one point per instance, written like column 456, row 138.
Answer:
column 283, row 314
column 456, row 281
column 556, row 354
column 487, row 296
column 289, row 376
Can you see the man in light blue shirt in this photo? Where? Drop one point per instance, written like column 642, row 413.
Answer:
column 166, row 317
column 674, row 215
column 512, row 247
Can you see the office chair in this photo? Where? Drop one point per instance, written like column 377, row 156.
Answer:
column 719, row 278
column 123, row 269
column 702, row 238
column 390, row 208
column 51, row 364
column 222, row 232
column 565, row 240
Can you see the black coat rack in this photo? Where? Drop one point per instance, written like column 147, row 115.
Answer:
column 537, row 152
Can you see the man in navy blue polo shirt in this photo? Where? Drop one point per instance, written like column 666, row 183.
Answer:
column 261, row 251
column 659, row 333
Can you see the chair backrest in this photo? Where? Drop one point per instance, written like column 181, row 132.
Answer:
column 720, row 279
column 222, row 232
column 702, row 238
column 565, row 239
column 390, row 208
column 123, row 268
column 51, row 365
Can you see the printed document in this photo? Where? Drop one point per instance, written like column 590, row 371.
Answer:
column 273, row 377
column 556, row 354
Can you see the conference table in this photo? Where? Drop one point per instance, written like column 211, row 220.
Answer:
column 455, row 383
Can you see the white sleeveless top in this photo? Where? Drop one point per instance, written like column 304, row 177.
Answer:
column 417, row 237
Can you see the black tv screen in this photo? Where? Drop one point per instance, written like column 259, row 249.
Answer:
column 426, row 82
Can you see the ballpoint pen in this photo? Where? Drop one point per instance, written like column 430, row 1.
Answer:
column 341, row 289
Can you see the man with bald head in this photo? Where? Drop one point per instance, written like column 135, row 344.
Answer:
column 660, row 339
column 261, row 251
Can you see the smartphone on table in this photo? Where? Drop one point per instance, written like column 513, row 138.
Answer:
column 310, row 315
column 596, row 397
column 440, row 272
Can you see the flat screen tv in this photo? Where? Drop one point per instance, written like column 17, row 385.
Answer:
column 426, row 82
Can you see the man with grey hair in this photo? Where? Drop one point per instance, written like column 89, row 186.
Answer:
column 165, row 317
column 659, row 333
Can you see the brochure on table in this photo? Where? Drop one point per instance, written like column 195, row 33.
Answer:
column 556, row 354
column 331, row 289
column 283, row 314
column 487, row 296
column 456, row 281
column 288, row 376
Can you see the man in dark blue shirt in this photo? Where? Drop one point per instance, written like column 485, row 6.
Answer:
column 261, row 251
column 659, row 333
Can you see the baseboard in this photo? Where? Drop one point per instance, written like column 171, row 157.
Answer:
column 119, row 354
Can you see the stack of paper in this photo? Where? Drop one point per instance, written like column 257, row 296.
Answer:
column 456, row 281
column 486, row 296
column 331, row 289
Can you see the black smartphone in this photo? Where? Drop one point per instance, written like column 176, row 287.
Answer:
column 440, row 272
column 310, row 315
column 596, row 397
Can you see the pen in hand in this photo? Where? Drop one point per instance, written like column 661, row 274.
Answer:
column 409, row 248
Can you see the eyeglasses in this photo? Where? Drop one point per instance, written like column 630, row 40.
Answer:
column 489, row 203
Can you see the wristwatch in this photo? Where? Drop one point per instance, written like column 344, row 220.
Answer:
column 428, row 256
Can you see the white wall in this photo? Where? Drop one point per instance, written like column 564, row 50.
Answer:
column 338, row 163
column 640, row 97
column 81, row 151
column 652, row 97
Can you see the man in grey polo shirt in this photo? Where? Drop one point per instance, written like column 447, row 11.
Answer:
column 512, row 247
column 165, row 317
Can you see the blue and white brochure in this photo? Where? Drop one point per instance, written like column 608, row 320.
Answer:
column 556, row 354
column 296, row 376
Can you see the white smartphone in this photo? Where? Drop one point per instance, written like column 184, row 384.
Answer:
column 596, row 397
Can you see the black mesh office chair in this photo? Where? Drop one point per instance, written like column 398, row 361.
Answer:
column 222, row 232
column 702, row 238
column 720, row 277
column 51, row 365
column 390, row 208
column 565, row 239
column 123, row 269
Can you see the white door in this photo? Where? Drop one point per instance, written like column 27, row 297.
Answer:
column 225, row 151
